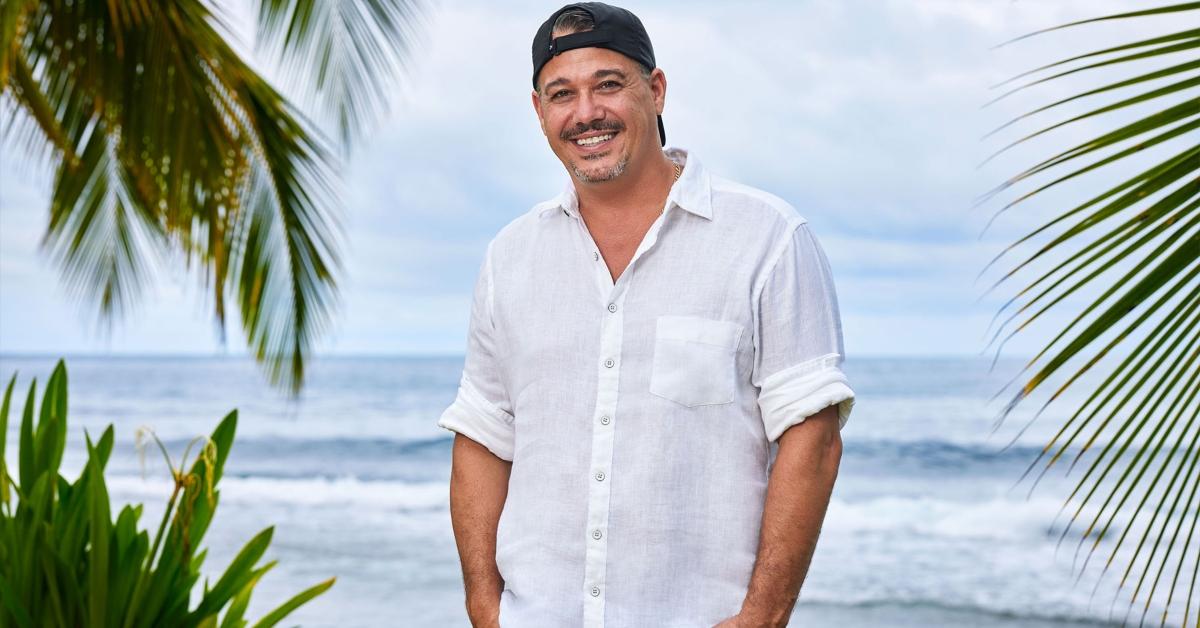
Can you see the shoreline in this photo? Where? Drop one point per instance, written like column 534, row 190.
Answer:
column 923, row 615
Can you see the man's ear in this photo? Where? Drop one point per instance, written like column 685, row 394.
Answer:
column 537, row 108
column 658, row 87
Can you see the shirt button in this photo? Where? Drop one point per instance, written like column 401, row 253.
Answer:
column 605, row 420
column 596, row 255
column 595, row 591
column 609, row 363
column 596, row 534
column 599, row 476
column 612, row 307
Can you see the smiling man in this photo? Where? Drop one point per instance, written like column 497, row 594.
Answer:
column 648, row 421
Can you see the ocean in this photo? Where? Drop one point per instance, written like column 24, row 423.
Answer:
column 928, row 524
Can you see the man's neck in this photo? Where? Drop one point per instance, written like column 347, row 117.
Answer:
column 635, row 193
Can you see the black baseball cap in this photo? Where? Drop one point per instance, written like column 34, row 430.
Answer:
column 616, row 29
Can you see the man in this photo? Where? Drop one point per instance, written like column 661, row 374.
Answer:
column 648, row 418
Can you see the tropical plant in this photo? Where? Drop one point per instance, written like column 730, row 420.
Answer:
column 64, row 562
column 164, row 140
column 1138, row 247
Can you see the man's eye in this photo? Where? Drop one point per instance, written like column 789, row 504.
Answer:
column 559, row 94
column 610, row 84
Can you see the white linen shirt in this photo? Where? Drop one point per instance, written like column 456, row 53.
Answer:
column 642, row 416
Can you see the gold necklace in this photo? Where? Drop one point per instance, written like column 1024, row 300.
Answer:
column 678, row 171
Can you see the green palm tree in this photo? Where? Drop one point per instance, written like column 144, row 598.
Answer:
column 1138, row 243
column 164, row 141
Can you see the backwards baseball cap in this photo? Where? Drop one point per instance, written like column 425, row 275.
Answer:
column 616, row 29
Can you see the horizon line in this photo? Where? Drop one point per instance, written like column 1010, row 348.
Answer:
column 414, row 354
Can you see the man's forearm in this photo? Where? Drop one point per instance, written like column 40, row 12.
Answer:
column 798, row 493
column 478, row 489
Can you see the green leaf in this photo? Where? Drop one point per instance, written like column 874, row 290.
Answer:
column 237, row 607
column 26, row 454
column 103, row 243
column 300, row 599
column 13, row 15
column 4, row 494
column 51, row 436
column 168, row 145
column 13, row 604
column 100, row 530
column 1187, row 44
column 1190, row 34
column 203, row 508
column 239, row 572
column 1171, row 8
column 1142, row 258
column 288, row 258
column 34, row 101
column 344, row 56
column 50, row 573
column 64, row 562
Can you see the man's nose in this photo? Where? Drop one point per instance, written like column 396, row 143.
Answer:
column 588, row 109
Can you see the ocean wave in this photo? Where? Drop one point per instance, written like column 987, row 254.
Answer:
column 428, row 458
column 939, row 452
column 352, row 492
column 344, row 445
column 995, row 519
column 998, row 518
column 935, row 451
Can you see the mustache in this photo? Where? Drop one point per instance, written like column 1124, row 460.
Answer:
column 596, row 125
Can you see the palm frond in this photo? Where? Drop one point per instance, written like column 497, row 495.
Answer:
column 345, row 56
column 1193, row 33
column 29, row 124
column 13, row 19
column 1163, row 10
column 287, row 247
column 171, row 143
column 105, row 242
column 28, row 94
column 1138, row 247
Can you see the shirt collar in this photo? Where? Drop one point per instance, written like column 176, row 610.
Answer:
column 692, row 192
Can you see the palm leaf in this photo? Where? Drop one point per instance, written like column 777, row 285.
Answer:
column 168, row 143
column 104, row 241
column 31, row 99
column 13, row 16
column 1137, row 244
column 344, row 56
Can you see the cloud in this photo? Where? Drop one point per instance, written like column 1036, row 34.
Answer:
column 864, row 115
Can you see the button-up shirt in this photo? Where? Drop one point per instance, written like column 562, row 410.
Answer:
column 641, row 416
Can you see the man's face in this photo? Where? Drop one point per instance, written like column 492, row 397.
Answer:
column 599, row 96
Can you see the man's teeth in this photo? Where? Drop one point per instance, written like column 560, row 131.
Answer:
column 588, row 141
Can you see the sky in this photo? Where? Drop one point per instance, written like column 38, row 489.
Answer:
column 865, row 115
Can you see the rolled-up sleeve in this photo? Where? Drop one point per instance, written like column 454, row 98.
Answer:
column 798, row 338
column 482, row 411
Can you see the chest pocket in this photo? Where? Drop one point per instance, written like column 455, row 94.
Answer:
column 695, row 360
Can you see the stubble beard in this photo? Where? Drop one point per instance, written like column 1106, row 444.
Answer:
column 604, row 174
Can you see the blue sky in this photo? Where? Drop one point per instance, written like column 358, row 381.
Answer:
column 865, row 115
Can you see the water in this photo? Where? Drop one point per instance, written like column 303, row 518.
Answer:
column 927, row 525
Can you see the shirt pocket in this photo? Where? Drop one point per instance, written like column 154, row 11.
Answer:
column 695, row 360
